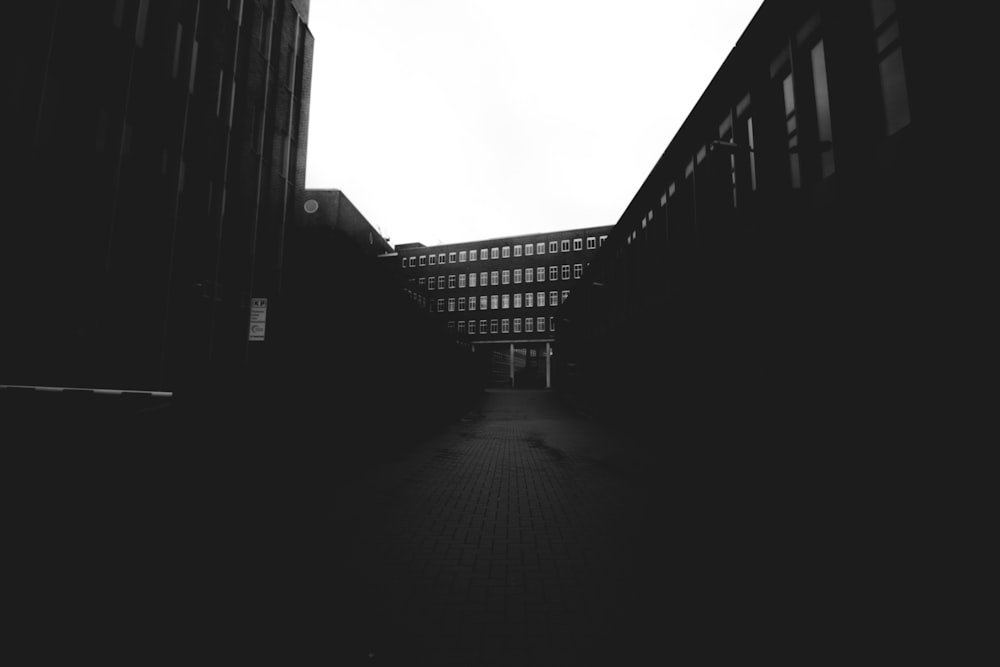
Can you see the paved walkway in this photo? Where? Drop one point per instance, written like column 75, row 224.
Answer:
column 526, row 535
column 506, row 541
column 522, row 534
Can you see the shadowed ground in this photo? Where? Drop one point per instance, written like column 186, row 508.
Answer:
column 520, row 534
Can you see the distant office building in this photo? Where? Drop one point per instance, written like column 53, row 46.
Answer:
column 157, row 148
column 502, row 295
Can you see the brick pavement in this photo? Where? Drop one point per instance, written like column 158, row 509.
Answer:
column 521, row 535
column 508, row 540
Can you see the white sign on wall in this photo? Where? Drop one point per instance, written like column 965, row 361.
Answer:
column 258, row 318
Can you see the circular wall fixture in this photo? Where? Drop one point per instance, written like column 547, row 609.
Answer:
column 311, row 206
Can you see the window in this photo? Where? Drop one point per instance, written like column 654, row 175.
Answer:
column 505, row 277
column 451, row 325
column 577, row 271
column 529, row 300
column 564, row 245
column 781, row 71
column 441, row 258
column 461, row 326
column 440, row 282
column 726, row 136
column 577, row 245
column 494, row 301
column 517, row 276
column 540, row 274
column 504, row 326
column 483, row 303
column 432, row 260
column 517, row 251
column 472, row 255
column 140, row 22
column 461, row 304
column 422, row 280
column 461, row 280
column 494, row 253
column 505, row 252
column 472, row 326
column 493, row 326
column 553, row 273
column 472, row 303
column 451, row 258
column 472, row 280
column 517, row 325
column 891, row 71
column 540, row 248
column 552, row 324
column 743, row 136
column 494, row 277
column 540, row 324
column 451, row 305
column 463, row 255
column 482, row 326
column 591, row 242
column 553, row 247
column 451, row 282
column 823, row 123
column 529, row 325
column 482, row 254
column 553, row 298
column 565, row 272
column 483, row 279
column 404, row 263
column 440, row 305
column 540, row 299
column 529, row 250
column 563, row 295
column 430, row 283
column 604, row 237
column 517, row 300
column 505, row 301
column 529, row 275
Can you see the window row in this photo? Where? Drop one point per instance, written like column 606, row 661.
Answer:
column 799, row 90
column 527, row 250
column 530, row 325
column 502, row 301
column 485, row 278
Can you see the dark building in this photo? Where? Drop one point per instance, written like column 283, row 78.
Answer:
column 502, row 295
column 772, row 265
column 352, row 346
column 332, row 209
column 157, row 150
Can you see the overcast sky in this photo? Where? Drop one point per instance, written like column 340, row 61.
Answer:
column 455, row 120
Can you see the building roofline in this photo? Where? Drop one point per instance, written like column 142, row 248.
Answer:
column 408, row 246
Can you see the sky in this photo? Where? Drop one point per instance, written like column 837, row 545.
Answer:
column 447, row 121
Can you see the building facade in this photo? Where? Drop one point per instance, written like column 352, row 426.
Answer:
column 502, row 295
column 767, row 266
column 159, row 146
